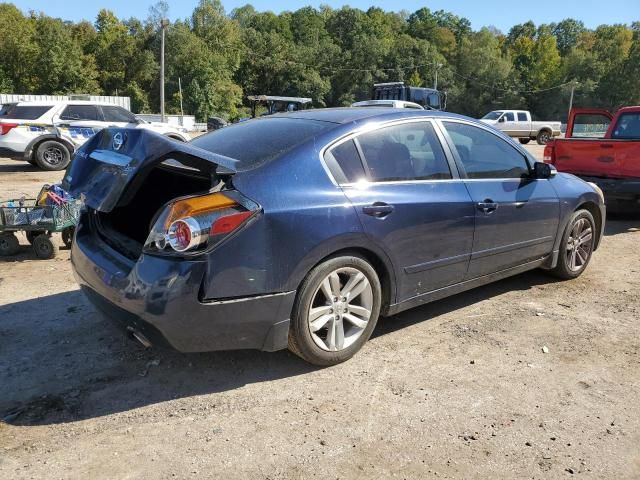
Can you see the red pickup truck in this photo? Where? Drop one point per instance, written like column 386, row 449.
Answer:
column 604, row 149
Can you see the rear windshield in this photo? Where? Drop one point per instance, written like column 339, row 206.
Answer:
column 23, row 112
column 258, row 141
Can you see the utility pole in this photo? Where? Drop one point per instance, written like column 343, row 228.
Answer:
column 574, row 84
column 435, row 81
column 180, row 89
column 164, row 23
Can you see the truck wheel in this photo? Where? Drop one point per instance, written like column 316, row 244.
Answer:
column 9, row 244
column 44, row 248
column 543, row 137
column 52, row 155
column 524, row 141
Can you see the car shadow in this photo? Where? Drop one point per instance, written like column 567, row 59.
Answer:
column 18, row 166
column 60, row 361
column 622, row 223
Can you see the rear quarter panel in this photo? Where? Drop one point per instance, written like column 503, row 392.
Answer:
column 305, row 219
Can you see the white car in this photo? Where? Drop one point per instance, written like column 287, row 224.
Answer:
column 388, row 104
column 47, row 133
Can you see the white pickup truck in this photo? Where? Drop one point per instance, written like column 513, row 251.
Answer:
column 518, row 124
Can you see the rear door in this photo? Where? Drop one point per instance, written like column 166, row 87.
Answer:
column 516, row 216
column 410, row 201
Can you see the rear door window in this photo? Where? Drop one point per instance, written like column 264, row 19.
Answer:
column 628, row 127
column 24, row 112
column 80, row 112
column 485, row 155
column 590, row 125
column 522, row 117
column 409, row 151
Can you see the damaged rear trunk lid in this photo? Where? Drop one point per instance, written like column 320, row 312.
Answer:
column 108, row 170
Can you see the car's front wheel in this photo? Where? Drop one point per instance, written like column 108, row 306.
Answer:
column 576, row 246
column 336, row 310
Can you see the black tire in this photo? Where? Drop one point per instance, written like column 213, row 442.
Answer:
column 564, row 268
column 44, row 248
column 52, row 155
column 544, row 136
column 32, row 234
column 524, row 141
column 67, row 236
column 32, row 161
column 301, row 341
column 9, row 244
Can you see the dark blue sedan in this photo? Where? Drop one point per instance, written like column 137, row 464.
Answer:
column 299, row 230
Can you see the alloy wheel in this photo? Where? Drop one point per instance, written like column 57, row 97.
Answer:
column 579, row 245
column 341, row 309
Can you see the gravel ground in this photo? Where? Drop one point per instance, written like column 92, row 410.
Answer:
column 460, row 388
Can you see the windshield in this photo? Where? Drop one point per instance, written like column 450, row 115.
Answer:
column 493, row 115
column 258, row 141
column 23, row 112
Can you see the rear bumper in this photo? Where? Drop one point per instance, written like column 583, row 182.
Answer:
column 618, row 190
column 9, row 153
column 160, row 298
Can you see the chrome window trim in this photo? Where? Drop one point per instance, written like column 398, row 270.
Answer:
column 373, row 126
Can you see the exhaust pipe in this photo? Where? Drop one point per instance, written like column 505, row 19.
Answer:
column 140, row 337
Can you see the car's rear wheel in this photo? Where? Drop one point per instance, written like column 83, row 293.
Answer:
column 52, row 155
column 576, row 246
column 336, row 310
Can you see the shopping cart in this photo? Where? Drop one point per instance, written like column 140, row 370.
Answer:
column 38, row 218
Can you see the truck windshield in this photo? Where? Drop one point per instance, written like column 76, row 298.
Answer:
column 493, row 115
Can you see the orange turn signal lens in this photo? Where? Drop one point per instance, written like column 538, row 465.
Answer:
column 190, row 207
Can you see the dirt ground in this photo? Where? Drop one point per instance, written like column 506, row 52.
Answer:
column 460, row 388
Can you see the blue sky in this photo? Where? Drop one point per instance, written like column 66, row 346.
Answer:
column 500, row 13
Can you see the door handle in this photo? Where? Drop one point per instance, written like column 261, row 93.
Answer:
column 378, row 209
column 488, row 206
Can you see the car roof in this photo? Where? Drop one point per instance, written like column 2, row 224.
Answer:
column 53, row 103
column 354, row 114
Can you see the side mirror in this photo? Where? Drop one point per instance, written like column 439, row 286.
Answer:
column 544, row 170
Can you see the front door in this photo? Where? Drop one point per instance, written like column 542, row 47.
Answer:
column 411, row 204
column 516, row 216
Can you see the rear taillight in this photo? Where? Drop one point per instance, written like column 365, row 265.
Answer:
column 194, row 224
column 549, row 154
column 6, row 127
